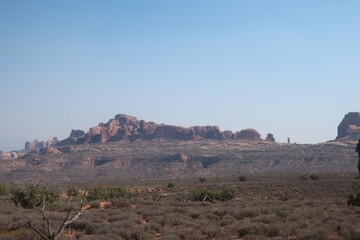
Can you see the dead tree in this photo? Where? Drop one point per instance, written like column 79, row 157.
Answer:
column 206, row 198
column 49, row 234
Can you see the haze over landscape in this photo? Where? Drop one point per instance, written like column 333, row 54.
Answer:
column 285, row 67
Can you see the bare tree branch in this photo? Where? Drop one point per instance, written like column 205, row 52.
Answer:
column 66, row 220
column 43, row 236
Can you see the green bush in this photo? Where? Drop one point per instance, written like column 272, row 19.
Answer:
column 199, row 194
column 32, row 196
column 314, row 177
column 4, row 191
column 171, row 185
column 101, row 193
column 119, row 192
column 202, row 179
column 226, row 194
column 222, row 195
column 97, row 193
column 242, row 178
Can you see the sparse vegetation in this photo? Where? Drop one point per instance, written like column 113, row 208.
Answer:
column 202, row 179
column 102, row 193
column 242, row 178
column 72, row 192
column 33, row 195
column 354, row 197
column 171, row 185
column 304, row 177
column 4, row 191
column 256, row 210
column 314, row 177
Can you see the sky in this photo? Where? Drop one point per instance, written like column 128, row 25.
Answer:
column 290, row 68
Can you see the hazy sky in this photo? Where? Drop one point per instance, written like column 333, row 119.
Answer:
column 291, row 68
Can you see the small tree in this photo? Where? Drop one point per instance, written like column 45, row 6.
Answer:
column 357, row 149
column 354, row 198
column 33, row 197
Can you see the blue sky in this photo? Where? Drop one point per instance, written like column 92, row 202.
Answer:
column 286, row 67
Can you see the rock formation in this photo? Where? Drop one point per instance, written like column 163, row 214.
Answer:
column 128, row 128
column 248, row 134
column 36, row 144
column 10, row 155
column 349, row 128
column 270, row 137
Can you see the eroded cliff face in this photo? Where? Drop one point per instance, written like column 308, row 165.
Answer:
column 36, row 144
column 127, row 128
column 349, row 128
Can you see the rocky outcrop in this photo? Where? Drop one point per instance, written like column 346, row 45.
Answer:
column 349, row 128
column 248, row 134
column 270, row 137
column 36, row 144
column 76, row 137
column 128, row 128
column 10, row 155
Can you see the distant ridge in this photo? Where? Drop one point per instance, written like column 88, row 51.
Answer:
column 128, row 128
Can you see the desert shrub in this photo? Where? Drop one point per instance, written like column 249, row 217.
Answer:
column 72, row 192
column 97, row 193
column 354, row 198
column 210, row 231
column 268, row 230
column 314, row 177
column 222, row 195
column 200, row 194
column 170, row 236
column 348, row 232
column 4, row 191
column 79, row 225
column 101, row 193
column 226, row 194
column 121, row 203
column 189, row 233
column 202, row 179
column 119, row 192
column 32, row 196
column 242, row 178
column 171, row 185
column 304, row 177
column 319, row 234
column 95, row 204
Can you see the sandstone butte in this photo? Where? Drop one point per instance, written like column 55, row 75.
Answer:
column 127, row 128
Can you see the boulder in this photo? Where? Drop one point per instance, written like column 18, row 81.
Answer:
column 270, row 137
